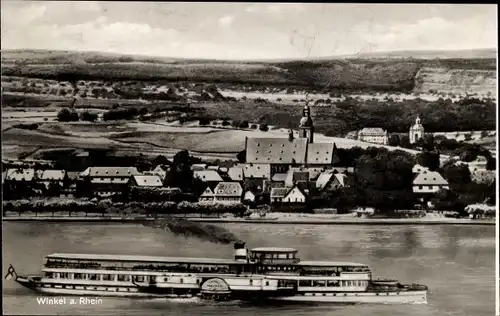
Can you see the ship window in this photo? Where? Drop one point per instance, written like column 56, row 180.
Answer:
column 251, row 282
column 304, row 283
column 64, row 275
column 121, row 277
column 267, row 283
column 139, row 278
column 107, row 277
column 182, row 280
column 93, row 277
column 78, row 276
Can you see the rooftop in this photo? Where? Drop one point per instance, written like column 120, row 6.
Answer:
column 330, row 264
column 372, row 131
column 273, row 249
column 429, row 178
column 148, row 181
column 131, row 258
column 208, row 175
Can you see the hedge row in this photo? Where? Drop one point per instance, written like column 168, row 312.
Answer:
column 107, row 206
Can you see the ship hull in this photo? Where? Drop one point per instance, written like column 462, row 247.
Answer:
column 408, row 297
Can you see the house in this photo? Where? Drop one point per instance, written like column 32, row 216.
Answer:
column 146, row 181
column 235, row 173
column 249, row 196
column 208, row 176
column 279, row 177
column 429, row 182
column 268, row 185
column 161, row 171
column 293, row 177
column 47, row 177
column 207, row 195
column 288, row 195
column 256, row 171
column 278, row 194
column 419, row 168
column 228, row 192
column 108, row 181
column 374, row 135
column 329, row 181
column 71, row 183
column 19, row 175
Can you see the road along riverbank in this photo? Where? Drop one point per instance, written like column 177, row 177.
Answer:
column 304, row 221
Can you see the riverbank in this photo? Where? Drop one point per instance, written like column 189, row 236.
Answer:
column 290, row 220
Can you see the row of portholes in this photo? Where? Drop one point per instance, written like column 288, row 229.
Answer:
column 90, row 288
column 345, row 294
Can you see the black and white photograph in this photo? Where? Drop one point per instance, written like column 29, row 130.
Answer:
column 249, row 158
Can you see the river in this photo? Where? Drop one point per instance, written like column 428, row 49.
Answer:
column 456, row 262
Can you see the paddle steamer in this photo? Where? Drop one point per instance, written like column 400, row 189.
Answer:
column 259, row 274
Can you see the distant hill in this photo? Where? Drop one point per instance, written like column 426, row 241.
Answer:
column 429, row 54
column 360, row 72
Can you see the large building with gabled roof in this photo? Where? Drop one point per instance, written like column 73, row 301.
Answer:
column 282, row 153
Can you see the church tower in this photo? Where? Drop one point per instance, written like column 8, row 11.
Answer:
column 306, row 125
column 416, row 131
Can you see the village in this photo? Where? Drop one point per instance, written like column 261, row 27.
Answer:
column 288, row 174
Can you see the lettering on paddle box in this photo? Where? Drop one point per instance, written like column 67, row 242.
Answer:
column 215, row 285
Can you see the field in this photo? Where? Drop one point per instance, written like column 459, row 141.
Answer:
column 145, row 138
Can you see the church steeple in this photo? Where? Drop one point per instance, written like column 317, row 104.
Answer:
column 416, row 131
column 307, row 125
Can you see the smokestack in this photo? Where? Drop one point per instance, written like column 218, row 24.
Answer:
column 240, row 252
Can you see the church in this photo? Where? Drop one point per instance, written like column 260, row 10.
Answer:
column 278, row 155
column 416, row 131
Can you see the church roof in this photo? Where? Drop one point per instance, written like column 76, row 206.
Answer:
column 276, row 150
column 283, row 151
column 320, row 153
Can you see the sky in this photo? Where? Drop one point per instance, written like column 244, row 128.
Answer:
column 244, row 30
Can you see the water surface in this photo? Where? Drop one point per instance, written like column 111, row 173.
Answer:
column 456, row 262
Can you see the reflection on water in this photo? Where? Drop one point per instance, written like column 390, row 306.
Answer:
column 456, row 262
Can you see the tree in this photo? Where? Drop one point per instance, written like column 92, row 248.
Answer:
column 405, row 141
column 263, row 127
column 87, row 116
column 394, row 140
column 243, row 124
column 457, row 175
column 204, row 121
column 429, row 160
column 241, row 156
column 428, row 142
column 180, row 174
column 160, row 160
column 225, row 123
column 53, row 189
column 66, row 115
